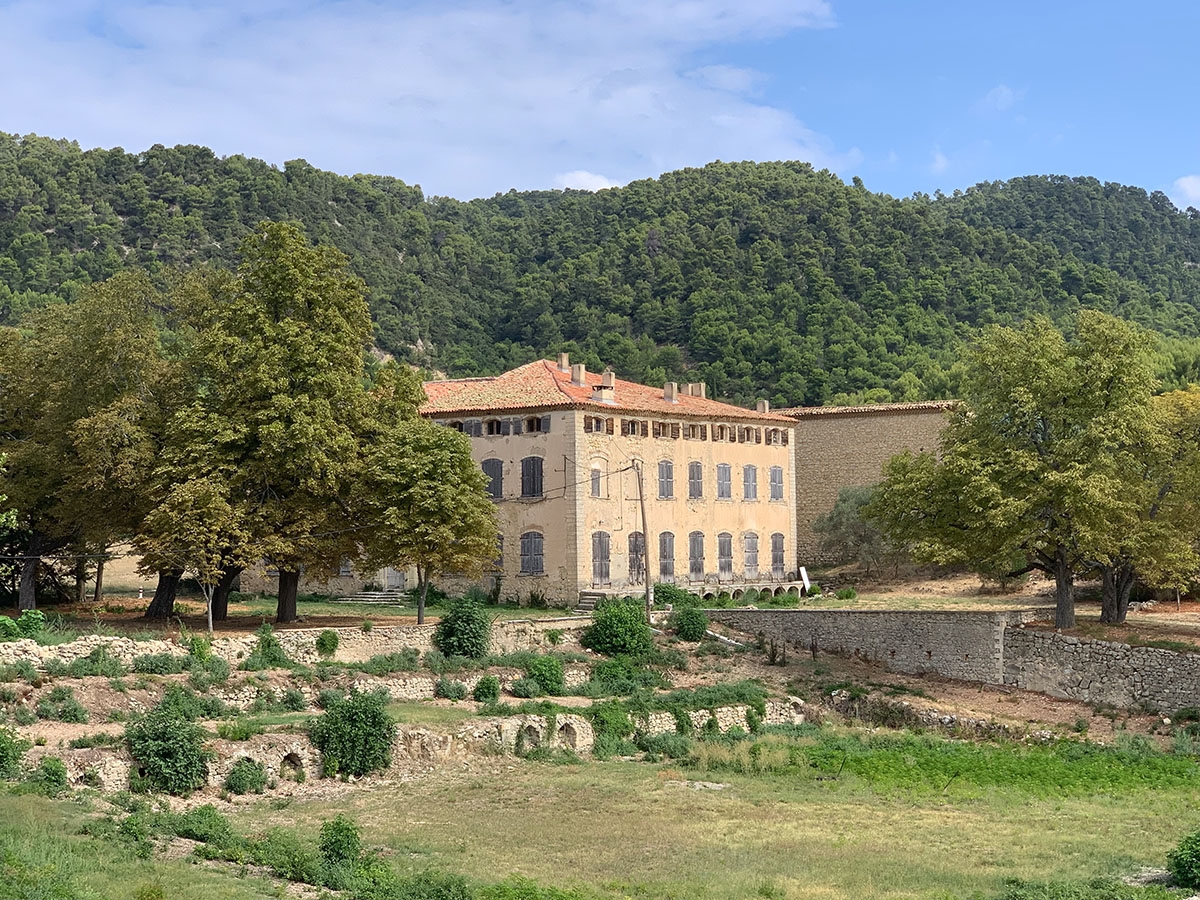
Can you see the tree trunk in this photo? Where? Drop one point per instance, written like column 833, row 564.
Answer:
column 423, row 578
column 27, row 593
column 98, row 594
column 1064, row 591
column 162, row 605
column 80, row 578
column 289, row 582
column 220, row 601
column 1117, row 583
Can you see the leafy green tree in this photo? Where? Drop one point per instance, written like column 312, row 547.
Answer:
column 849, row 535
column 424, row 503
column 1039, row 458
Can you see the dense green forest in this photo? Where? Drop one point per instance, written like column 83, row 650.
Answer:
column 763, row 279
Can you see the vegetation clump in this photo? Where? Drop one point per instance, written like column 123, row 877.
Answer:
column 327, row 643
column 618, row 629
column 59, row 704
column 1183, row 862
column 355, row 734
column 12, row 748
column 464, row 630
column 690, row 624
column 169, row 751
column 449, row 689
column 547, row 671
column 248, row 776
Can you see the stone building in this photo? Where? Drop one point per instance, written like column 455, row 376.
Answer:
column 846, row 446
column 563, row 449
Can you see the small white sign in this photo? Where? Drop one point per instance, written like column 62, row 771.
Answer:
column 804, row 578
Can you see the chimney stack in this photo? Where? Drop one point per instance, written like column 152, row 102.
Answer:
column 564, row 362
column 609, row 378
column 763, row 406
column 671, row 391
column 696, row 389
column 579, row 374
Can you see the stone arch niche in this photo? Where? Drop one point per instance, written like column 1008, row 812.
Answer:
column 530, row 736
column 568, row 736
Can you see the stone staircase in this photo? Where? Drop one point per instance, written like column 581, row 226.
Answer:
column 379, row 598
column 588, row 600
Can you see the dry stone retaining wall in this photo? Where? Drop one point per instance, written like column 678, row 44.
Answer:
column 1101, row 671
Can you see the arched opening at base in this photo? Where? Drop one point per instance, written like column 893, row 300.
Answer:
column 291, row 767
column 568, row 736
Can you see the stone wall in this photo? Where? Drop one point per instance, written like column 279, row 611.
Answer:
column 1101, row 671
column 838, row 447
column 957, row 644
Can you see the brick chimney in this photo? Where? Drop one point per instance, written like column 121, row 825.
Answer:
column 564, row 362
column 671, row 392
column 579, row 374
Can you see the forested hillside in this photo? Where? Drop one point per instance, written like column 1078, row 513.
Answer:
column 767, row 279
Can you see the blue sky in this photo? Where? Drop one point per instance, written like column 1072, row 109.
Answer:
column 472, row 97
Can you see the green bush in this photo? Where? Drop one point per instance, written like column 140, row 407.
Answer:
column 846, row 593
column 676, row 596
column 814, row 590
column 269, row 652
column 31, row 623
column 340, row 842
column 547, row 671
column 205, row 672
column 248, row 776
column 620, row 676
column 406, row 660
column 286, row 855
column 98, row 662
column 161, row 664
column 690, row 624
column 327, row 643
column 619, row 628
column 207, row 825
column 12, row 748
column 8, row 629
column 1184, row 861
column 169, row 750
column 50, row 777
column 293, row 700
column 186, row 704
column 239, row 730
column 465, row 629
column 671, row 745
column 355, row 734
column 525, row 688
column 60, row 704
column 487, row 689
column 449, row 689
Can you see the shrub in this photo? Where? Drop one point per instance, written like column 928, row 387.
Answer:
column 846, row 593
column 8, row 629
column 814, row 590
column 12, row 748
column 285, row 854
column 407, row 660
column 327, row 643
column 100, row 739
column 340, row 842
column 207, row 671
column 248, row 776
column 169, row 750
column 525, row 688
column 60, row 704
column 239, row 730
column 465, row 629
column 355, row 735
column 207, row 825
column 31, row 623
column 199, row 648
column 448, row 689
column 98, row 662
column 269, row 652
column 622, row 675
column 619, row 628
column 547, row 671
column 186, row 704
column 1184, row 861
column 671, row 745
column 676, row 596
column 487, row 689
column 293, row 700
column 690, row 624
column 50, row 777
column 329, row 697
column 160, row 664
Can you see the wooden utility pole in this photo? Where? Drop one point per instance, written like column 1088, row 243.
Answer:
column 637, row 468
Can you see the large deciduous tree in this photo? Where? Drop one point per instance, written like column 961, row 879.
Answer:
column 277, row 363
column 426, row 501
column 1040, row 458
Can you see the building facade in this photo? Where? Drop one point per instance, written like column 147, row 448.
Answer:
column 577, row 461
column 847, row 446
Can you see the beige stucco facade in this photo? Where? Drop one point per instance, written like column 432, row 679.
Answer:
column 839, row 447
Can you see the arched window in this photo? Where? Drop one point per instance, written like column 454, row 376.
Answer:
column 637, row 558
column 725, row 556
column 494, row 470
column 696, row 556
column 777, row 563
column 532, row 561
column 531, row 476
column 750, row 549
column 666, row 555
column 601, row 543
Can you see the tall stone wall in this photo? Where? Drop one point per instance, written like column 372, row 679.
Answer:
column 1101, row 671
column 847, row 447
column 956, row 644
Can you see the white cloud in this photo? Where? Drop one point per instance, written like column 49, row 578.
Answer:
column 1187, row 192
column 584, row 181
column 999, row 98
column 466, row 98
column 940, row 163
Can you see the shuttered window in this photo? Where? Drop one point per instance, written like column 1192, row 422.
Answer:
column 751, row 554
column 724, row 481
column 597, row 476
column 601, row 542
column 695, row 480
column 637, row 558
column 725, row 555
column 777, row 563
column 494, row 470
column 666, row 480
column 696, row 556
column 750, row 482
column 531, row 476
column 666, row 555
column 776, row 482
column 532, row 562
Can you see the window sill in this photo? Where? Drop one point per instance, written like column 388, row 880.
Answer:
column 531, row 574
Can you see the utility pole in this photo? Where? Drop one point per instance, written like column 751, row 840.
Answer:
column 637, row 468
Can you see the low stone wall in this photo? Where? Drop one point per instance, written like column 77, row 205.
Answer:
column 966, row 645
column 791, row 711
column 124, row 649
column 1101, row 671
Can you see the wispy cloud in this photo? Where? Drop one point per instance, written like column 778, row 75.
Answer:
column 999, row 99
column 1187, row 192
column 940, row 163
column 467, row 97
column 584, row 181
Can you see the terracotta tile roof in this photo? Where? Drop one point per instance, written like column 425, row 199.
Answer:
column 803, row 412
column 542, row 385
